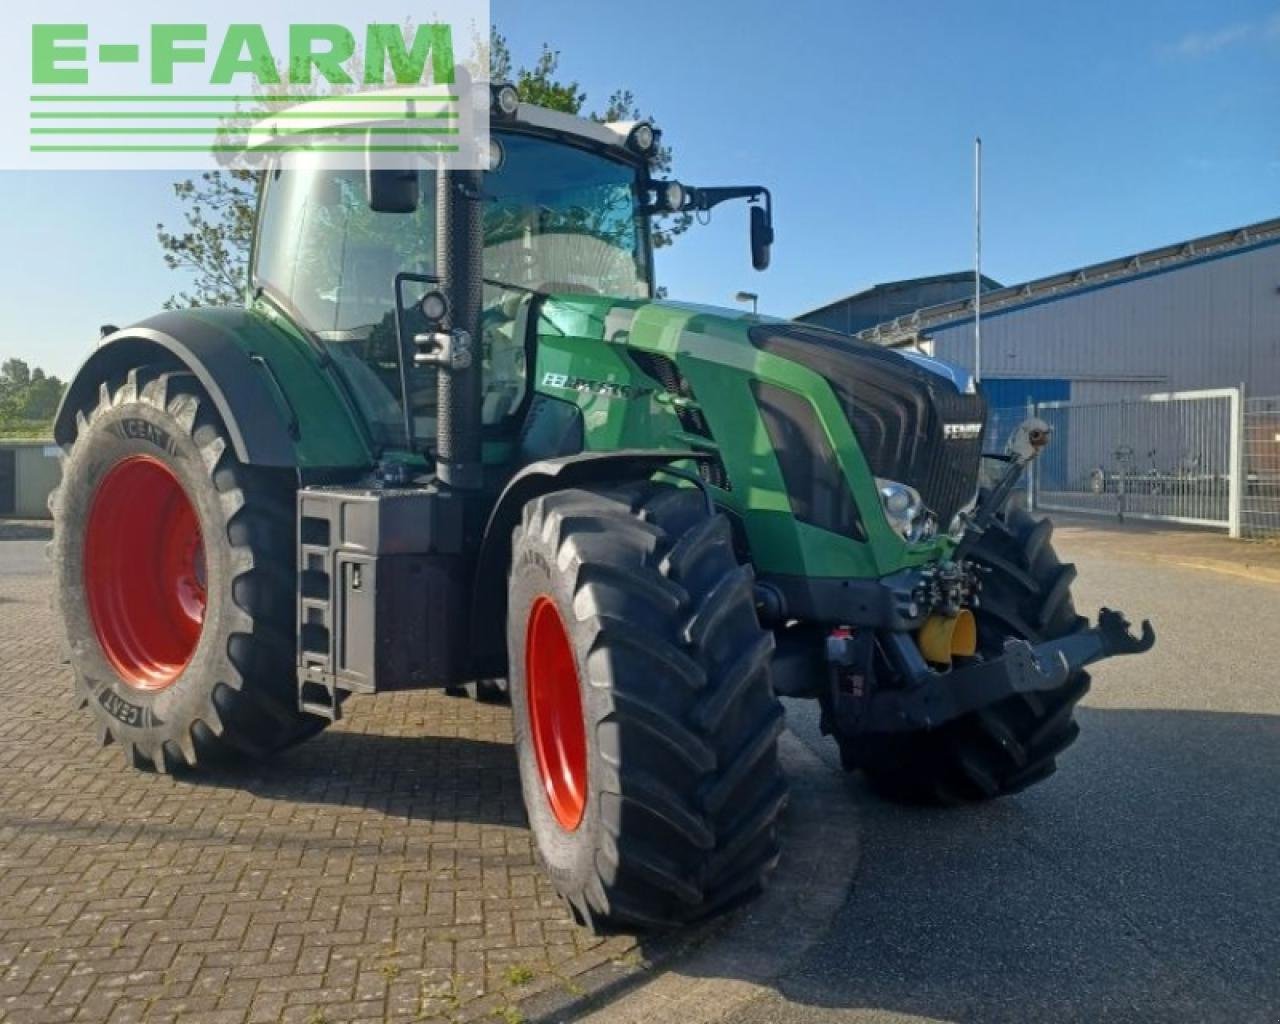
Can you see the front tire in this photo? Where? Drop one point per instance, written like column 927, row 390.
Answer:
column 1004, row 748
column 174, row 571
column 646, row 727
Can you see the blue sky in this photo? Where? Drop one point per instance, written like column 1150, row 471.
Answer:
column 1108, row 128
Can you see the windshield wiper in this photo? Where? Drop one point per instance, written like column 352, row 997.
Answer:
column 515, row 287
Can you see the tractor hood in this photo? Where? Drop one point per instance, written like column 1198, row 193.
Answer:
column 603, row 318
column 916, row 420
column 606, row 319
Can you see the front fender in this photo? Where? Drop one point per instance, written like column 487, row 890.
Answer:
column 489, row 602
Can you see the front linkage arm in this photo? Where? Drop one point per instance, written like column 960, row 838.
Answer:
column 931, row 698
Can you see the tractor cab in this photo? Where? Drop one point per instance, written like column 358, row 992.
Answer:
column 565, row 207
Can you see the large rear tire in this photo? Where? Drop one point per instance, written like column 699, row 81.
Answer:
column 1002, row 749
column 174, row 574
column 645, row 722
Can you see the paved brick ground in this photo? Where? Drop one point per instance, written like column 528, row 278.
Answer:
column 381, row 872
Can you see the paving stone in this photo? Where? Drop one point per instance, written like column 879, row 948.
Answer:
column 381, row 871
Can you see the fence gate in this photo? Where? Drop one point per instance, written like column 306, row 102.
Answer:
column 1174, row 457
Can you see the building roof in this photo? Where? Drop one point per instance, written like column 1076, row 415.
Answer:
column 899, row 286
column 907, row 329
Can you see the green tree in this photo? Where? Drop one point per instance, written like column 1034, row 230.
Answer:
column 212, row 243
column 14, row 375
column 537, row 84
column 28, row 398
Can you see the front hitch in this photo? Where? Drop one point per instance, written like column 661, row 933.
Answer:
column 931, row 698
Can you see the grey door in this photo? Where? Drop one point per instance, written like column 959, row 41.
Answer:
column 8, row 481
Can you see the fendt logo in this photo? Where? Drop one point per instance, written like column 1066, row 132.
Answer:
column 126, row 91
column 961, row 431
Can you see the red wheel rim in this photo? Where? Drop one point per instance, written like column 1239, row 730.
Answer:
column 555, row 713
column 144, row 572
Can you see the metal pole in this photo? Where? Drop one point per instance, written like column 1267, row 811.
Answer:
column 1237, row 481
column 1033, row 412
column 459, row 398
column 977, row 258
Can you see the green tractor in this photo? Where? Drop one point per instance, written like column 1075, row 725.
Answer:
column 453, row 439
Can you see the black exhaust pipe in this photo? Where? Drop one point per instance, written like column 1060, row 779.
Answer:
column 460, row 261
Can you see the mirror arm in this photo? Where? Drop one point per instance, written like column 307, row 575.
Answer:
column 703, row 199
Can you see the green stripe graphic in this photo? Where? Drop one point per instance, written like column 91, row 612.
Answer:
column 352, row 98
column 242, row 149
column 374, row 130
column 121, row 115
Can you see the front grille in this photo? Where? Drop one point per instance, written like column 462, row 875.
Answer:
column 899, row 412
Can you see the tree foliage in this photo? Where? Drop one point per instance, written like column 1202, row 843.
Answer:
column 211, row 245
column 28, row 398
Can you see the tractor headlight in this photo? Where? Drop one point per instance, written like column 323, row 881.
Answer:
column 906, row 511
column 643, row 138
column 434, row 306
column 497, row 154
column 504, row 100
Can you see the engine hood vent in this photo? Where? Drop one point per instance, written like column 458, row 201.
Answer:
column 913, row 424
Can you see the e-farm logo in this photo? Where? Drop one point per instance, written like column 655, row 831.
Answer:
column 60, row 54
column 107, row 91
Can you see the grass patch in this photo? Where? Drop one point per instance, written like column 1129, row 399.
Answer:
column 26, row 430
column 519, row 974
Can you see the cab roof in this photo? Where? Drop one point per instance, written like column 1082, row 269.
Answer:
column 379, row 106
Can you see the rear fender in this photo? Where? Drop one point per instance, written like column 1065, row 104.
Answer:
column 278, row 407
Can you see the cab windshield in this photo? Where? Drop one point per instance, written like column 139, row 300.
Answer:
column 560, row 219
column 556, row 219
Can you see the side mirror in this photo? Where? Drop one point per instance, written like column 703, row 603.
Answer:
column 391, row 188
column 392, row 191
column 761, row 237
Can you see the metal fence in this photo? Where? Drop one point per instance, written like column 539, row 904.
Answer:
column 1260, row 497
column 1171, row 457
column 1203, row 458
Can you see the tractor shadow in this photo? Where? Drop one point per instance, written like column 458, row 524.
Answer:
column 1140, row 883
column 418, row 778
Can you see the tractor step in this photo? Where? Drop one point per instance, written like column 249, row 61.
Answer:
column 319, row 697
column 382, row 593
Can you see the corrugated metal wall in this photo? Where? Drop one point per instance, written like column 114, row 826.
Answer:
column 1214, row 323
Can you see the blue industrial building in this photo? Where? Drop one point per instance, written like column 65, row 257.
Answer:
column 1204, row 313
column 883, row 303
